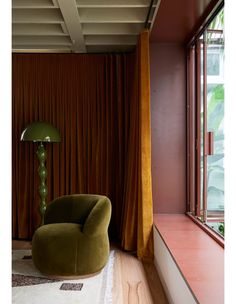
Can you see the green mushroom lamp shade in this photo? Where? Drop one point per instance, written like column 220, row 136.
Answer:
column 41, row 132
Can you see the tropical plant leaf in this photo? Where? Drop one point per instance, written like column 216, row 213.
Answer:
column 214, row 158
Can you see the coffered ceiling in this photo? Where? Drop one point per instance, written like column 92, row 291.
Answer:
column 80, row 26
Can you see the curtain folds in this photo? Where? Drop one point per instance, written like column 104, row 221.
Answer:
column 138, row 217
column 101, row 106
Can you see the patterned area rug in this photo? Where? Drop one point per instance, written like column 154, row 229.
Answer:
column 29, row 286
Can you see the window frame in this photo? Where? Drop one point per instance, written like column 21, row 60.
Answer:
column 194, row 128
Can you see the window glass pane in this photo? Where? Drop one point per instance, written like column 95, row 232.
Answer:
column 202, row 128
column 213, row 63
column 215, row 121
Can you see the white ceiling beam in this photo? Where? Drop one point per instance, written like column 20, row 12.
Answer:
column 112, row 29
column 113, row 15
column 73, row 24
column 36, row 16
column 111, row 40
column 55, row 3
column 32, row 4
column 41, row 40
column 112, row 3
column 41, row 49
column 37, row 29
column 64, row 29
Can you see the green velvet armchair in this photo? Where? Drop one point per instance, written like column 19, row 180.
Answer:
column 74, row 240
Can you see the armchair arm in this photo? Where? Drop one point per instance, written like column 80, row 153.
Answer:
column 98, row 220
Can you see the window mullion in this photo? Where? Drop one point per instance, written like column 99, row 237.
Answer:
column 205, row 148
column 198, row 128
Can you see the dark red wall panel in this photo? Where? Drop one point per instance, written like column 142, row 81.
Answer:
column 168, row 106
column 177, row 21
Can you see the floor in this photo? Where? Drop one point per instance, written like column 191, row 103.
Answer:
column 134, row 282
column 199, row 257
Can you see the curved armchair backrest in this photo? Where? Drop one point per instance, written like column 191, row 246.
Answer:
column 75, row 208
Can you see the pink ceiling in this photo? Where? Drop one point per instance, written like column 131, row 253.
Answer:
column 176, row 20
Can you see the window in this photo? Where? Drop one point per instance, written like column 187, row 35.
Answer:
column 206, row 125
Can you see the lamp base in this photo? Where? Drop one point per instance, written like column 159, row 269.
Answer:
column 42, row 172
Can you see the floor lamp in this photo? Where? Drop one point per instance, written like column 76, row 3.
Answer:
column 41, row 132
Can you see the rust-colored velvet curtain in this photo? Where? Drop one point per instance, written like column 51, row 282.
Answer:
column 87, row 98
column 101, row 109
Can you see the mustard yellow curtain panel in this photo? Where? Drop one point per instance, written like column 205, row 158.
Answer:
column 138, row 216
column 100, row 103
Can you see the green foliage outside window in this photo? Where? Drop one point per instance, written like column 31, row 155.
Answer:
column 215, row 176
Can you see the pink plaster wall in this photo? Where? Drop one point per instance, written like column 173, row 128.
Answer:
column 168, row 119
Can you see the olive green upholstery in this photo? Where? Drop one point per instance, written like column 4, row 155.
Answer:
column 74, row 240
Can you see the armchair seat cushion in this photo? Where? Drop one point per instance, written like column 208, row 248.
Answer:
column 72, row 249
